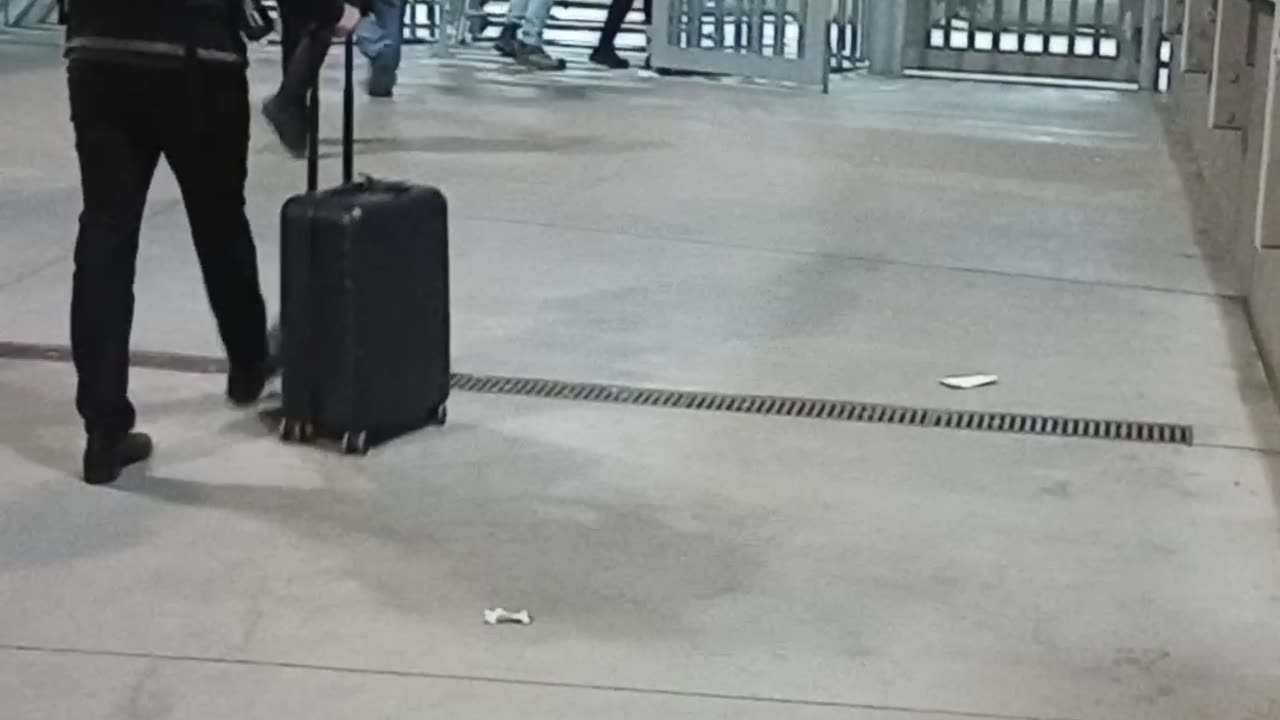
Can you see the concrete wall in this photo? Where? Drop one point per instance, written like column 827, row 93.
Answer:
column 1231, row 161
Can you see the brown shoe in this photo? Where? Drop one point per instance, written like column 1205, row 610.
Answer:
column 535, row 58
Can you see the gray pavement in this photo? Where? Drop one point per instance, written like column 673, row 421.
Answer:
column 696, row 234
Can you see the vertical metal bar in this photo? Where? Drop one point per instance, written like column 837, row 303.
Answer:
column 780, row 27
column 1197, row 36
column 842, row 28
column 1147, row 60
column 1073, row 22
column 997, row 21
column 1098, row 24
column 697, row 8
column 1048, row 22
column 675, row 20
column 738, row 25
column 757, row 27
column 971, row 9
column 948, row 14
column 1022, row 25
column 719, row 10
column 687, row 25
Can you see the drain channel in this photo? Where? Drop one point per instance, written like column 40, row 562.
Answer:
column 825, row 409
column 764, row 405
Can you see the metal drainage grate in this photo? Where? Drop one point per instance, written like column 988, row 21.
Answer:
column 772, row 406
column 820, row 409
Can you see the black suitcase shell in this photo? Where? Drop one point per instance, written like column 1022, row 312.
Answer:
column 365, row 351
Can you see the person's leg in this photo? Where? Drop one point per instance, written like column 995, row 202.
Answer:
column 506, row 43
column 286, row 111
column 292, row 23
column 605, row 53
column 210, row 163
column 529, row 51
column 379, row 36
column 118, row 154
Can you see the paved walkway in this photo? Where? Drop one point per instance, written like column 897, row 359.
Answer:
column 720, row 236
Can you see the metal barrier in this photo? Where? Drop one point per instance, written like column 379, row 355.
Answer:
column 786, row 40
column 763, row 38
column 449, row 23
column 1098, row 40
column 27, row 13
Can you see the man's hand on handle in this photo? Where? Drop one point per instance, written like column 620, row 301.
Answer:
column 347, row 23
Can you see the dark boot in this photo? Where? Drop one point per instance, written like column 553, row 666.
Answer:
column 105, row 457
column 535, row 58
column 607, row 56
column 506, row 42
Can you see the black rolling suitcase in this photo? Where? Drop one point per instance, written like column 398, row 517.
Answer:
column 365, row 303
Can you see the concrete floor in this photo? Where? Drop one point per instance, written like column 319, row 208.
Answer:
column 682, row 233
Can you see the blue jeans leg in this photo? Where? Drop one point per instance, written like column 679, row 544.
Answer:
column 517, row 11
column 535, row 19
column 380, row 35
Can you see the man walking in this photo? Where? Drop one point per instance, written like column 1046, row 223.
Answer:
column 168, row 82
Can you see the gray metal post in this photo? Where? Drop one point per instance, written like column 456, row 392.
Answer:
column 1150, row 44
column 1266, row 228
column 886, row 22
column 1198, row 26
column 1228, row 84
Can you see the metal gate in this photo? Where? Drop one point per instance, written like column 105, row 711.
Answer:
column 783, row 40
column 1066, row 39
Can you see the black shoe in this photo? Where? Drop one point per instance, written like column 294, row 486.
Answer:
column 106, row 457
column 535, row 58
column 505, row 45
column 289, row 123
column 245, row 386
column 608, row 57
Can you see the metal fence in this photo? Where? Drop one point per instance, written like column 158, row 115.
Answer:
column 1068, row 39
column 762, row 28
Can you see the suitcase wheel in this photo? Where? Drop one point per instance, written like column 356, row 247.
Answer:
column 355, row 443
column 296, row 431
column 439, row 416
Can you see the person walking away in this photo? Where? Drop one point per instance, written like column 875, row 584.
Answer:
column 169, row 82
column 521, row 37
column 307, row 28
column 379, row 36
column 606, row 53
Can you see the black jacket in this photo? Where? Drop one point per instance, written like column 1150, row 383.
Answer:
column 164, row 31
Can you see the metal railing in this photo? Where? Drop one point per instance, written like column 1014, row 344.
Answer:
column 1098, row 40
column 576, row 24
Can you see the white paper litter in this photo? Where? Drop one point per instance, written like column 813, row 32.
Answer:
column 968, row 382
column 498, row 616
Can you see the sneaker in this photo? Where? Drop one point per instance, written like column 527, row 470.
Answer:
column 382, row 78
column 505, row 45
column 106, row 457
column 608, row 57
column 535, row 58
column 289, row 123
column 381, row 84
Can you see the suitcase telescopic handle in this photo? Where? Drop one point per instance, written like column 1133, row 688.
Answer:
column 348, row 121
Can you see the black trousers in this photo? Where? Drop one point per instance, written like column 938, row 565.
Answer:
column 306, row 34
column 126, row 117
column 618, row 10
